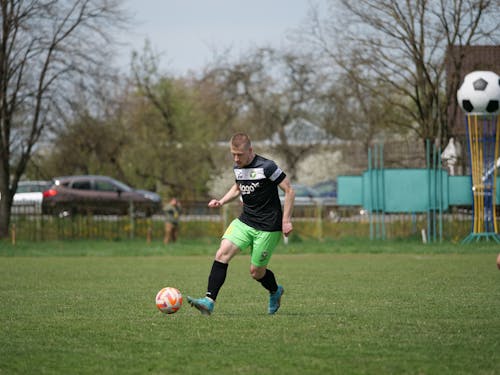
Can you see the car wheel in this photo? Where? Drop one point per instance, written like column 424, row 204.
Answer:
column 66, row 212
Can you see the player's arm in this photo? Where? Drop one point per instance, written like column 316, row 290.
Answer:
column 232, row 194
column 286, row 186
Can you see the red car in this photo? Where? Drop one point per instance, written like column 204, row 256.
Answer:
column 97, row 195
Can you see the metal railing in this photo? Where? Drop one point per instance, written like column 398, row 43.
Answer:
column 197, row 220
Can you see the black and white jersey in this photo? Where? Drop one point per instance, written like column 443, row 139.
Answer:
column 258, row 183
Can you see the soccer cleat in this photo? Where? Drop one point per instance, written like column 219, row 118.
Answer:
column 204, row 305
column 275, row 300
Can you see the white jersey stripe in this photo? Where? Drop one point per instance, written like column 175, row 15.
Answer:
column 249, row 174
column 276, row 174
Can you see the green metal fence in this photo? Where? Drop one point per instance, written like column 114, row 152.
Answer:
column 310, row 222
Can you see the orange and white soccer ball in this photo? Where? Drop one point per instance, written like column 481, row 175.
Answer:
column 169, row 300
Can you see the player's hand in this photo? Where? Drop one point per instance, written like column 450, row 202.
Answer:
column 214, row 203
column 287, row 228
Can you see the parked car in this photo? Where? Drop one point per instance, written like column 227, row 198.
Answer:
column 98, row 195
column 304, row 195
column 307, row 195
column 28, row 197
column 327, row 190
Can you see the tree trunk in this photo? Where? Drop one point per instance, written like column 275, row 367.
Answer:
column 4, row 215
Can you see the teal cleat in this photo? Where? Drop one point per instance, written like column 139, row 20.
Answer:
column 275, row 300
column 204, row 305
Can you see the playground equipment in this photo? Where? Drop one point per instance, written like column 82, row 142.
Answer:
column 483, row 147
column 479, row 97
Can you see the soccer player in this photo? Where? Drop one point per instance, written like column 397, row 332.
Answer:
column 260, row 225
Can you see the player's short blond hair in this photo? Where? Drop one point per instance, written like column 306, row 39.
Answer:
column 241, row 140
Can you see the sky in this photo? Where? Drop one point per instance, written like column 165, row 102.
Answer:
column 186, row 32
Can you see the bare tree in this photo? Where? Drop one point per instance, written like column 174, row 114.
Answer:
column 45, row 46
column 269, row 91
column 396, row 49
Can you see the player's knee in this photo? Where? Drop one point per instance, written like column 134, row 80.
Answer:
column 257, row 273
column 253, row 274
column 226, row 251
column 223, row 255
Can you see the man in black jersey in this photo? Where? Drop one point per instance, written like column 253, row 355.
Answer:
column 260, row 225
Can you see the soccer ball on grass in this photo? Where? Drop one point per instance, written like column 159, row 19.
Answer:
column 169, row 300
column 480, row 93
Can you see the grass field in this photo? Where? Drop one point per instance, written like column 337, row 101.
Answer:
column 351, row 307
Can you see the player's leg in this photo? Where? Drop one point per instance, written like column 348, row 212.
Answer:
column 217, row 277
column 234, row 239
column 166, row 236
column 264, row 245
column 175, row 232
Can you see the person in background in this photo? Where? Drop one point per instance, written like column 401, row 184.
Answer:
column 172, row 213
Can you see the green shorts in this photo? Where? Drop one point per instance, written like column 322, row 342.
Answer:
column 261, row 243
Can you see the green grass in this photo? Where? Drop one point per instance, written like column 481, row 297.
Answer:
column 350, row 307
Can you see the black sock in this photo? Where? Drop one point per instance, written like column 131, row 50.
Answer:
column 269, row 281
column 216, row 279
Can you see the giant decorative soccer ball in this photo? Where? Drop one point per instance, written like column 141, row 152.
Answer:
column 480, row 93
column 169, row 300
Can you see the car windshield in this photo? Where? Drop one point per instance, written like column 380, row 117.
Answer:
column 121, row 185
column 301, row 191
column 304, row 191
column 327, row 188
